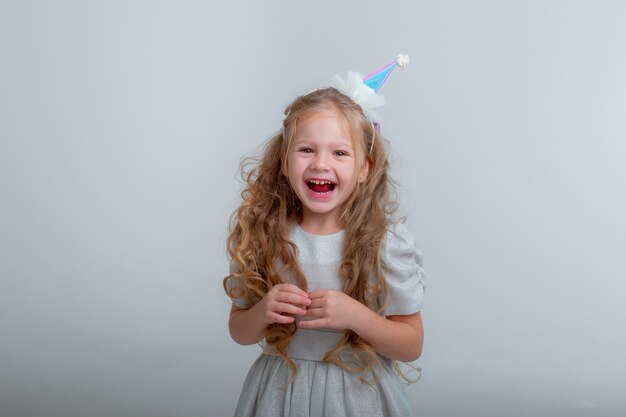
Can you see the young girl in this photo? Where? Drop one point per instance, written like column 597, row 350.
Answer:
column 319, row 272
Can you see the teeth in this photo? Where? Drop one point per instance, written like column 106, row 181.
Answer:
column 320, row 182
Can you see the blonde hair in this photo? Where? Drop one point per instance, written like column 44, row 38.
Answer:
column 259, row 244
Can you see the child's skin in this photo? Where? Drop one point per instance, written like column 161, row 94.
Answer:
column 323, row 150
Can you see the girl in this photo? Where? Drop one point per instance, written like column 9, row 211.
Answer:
column 319, row 272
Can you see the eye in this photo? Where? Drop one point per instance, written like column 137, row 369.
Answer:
column 305, row 149
column 341, row 153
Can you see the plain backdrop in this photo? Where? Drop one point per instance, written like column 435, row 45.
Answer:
column 122, row 125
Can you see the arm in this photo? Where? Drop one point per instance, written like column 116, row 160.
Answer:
column 396, row 337
column 248, row 326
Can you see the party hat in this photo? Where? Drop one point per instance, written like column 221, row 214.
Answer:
column 376, row 79
column 364, row 90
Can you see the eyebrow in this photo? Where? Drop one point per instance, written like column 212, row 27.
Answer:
column 334, row 144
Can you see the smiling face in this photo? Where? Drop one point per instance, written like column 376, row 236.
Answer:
column 324, row 167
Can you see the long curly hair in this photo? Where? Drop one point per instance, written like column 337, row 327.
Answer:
column 259, row 245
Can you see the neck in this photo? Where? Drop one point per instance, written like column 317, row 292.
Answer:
column 320, row 225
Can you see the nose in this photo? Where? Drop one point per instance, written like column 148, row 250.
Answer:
column 320, row 162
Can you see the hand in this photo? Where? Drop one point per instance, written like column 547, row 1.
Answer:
column 333, row 310
column 283, row 298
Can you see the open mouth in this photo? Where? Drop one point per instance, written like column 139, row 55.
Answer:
column 320, row 186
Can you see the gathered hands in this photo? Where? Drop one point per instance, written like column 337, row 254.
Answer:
column 328, row 308
column 283, row 298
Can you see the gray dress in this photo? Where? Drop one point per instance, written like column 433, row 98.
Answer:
column 321, row 389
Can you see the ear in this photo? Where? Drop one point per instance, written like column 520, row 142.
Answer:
column 365, row 169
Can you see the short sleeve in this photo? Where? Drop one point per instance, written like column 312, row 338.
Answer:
column 402, row 267
column 236, row 288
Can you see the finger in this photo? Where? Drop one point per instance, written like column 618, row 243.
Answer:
column 287, row 308
column 316, row 303
column 292, row 288
column 289, row 297
column 317, row 294
column 313, row 324
column 279, row 318
column 315, row 312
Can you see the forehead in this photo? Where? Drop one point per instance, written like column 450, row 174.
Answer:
column 327, row 125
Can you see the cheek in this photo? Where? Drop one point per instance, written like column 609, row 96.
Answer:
column 350, row 175
column 293, row 170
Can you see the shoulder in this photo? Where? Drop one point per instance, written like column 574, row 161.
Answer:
column 399, row 243
column 401, row 264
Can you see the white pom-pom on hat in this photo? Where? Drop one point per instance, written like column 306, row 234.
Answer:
column 402, row 60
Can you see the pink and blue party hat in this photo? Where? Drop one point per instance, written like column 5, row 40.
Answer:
column 376, row 79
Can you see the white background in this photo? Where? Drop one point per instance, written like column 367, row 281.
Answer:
column 121, row 129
